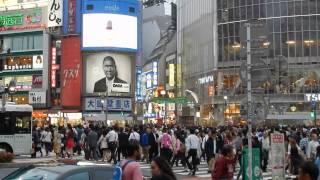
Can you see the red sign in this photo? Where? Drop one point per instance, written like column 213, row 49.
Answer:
column 72, row 16
column 71, row 72
column 37, row 81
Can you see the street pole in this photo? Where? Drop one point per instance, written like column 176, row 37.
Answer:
column 315, row 114
column 249, row 96
column 106, row 113
column 3, row 102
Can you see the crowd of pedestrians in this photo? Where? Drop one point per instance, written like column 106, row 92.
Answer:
column 166, row 146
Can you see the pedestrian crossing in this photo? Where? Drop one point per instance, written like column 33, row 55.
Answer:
column 202, row 171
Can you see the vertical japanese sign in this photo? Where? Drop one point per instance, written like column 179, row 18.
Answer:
column 138, row 83
column 172, row 75
column 277, row 156
column 54, row 67
column 55, row 13
column 71, row 25
column 71, row 69
column 155, row 74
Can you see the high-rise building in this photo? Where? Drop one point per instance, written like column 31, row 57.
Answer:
column 285, row 77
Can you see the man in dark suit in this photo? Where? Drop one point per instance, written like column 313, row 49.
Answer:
column 110, row 70
column 153, row 143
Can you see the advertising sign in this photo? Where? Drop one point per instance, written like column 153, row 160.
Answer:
column 114, row 104
column 312, row 97
column 120, row 87
column 109, row 31
column 21, row 20
column 171, row 75
column 36, row 81
column 155, row 74
column 71, row 72
column 149, row 76
column 277, row 156
column 36, row 97
column 55, row 13
column 256, row 172
column 105, row 69
column 37, row 62
column 53, row 67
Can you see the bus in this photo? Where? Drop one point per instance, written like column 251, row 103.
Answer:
column 16, row 128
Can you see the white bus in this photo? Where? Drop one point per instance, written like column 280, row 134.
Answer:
column 16, row 128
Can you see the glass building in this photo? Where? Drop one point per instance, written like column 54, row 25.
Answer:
column 291, row 64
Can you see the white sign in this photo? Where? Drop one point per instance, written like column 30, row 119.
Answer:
column 277, row 156
column 55, row 13
column 37, row 97
column 120, row 88
column 312, row 97
column 37, row 62
column 109, row 30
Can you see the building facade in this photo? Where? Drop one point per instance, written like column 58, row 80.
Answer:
column 290, row 62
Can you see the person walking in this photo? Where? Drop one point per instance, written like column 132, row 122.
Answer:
column 103, row 144
column 92, row 139
column 112, row 139
column 192, row 146
column 308, row 171
column 166, row 145
column 161, row 170
column 312, row 147
column 134, row 136
column 70, row 141
column 57, row 142
column 224, row 165
column 211, row 149
column 46, row 138
column 123, row 142
column 153, row 143
column 176, row 149
column 265, row 150
column 145, row 145
column 130, row 167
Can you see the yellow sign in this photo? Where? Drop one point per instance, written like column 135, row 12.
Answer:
column 171, row 74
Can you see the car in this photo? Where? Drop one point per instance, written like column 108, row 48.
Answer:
column 62, row 172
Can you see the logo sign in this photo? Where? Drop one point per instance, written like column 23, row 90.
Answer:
column 149, row 76
column 37, row 81
column 36, row 97
column 120, row 87
column 312, row 97
column 37, row 62
column 55, row 13
column 206, row 80
column 113, row 104
column 277, row 156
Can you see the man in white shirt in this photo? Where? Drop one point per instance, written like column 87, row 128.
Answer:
column 312, row 147
column 134, row 136
column 192, row 146
column 112, row 139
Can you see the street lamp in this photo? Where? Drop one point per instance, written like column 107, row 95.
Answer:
column 225, row 107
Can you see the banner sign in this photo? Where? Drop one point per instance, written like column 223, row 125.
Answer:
column 277, row 156
column 36, row 97
column 113, row 104
column 55, row 13
column 256, row 172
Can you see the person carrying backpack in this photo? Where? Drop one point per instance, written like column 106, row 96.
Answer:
column 166, row 145
column 129, row 169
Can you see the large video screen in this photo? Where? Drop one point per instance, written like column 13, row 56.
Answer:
column 108, row 71
column 109, row 31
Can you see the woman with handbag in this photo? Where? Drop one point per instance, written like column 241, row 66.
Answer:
column 103, row 145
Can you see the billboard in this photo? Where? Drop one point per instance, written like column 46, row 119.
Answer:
column 37, row 97
column 114, row 104
column 71, row 72
column 101, row 30
column 105, row 70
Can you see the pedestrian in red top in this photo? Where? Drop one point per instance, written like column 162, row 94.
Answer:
column 224, row 165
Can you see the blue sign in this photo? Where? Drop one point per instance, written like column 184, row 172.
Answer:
column 149, row 77
column 112, row 104
column 138, row 83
